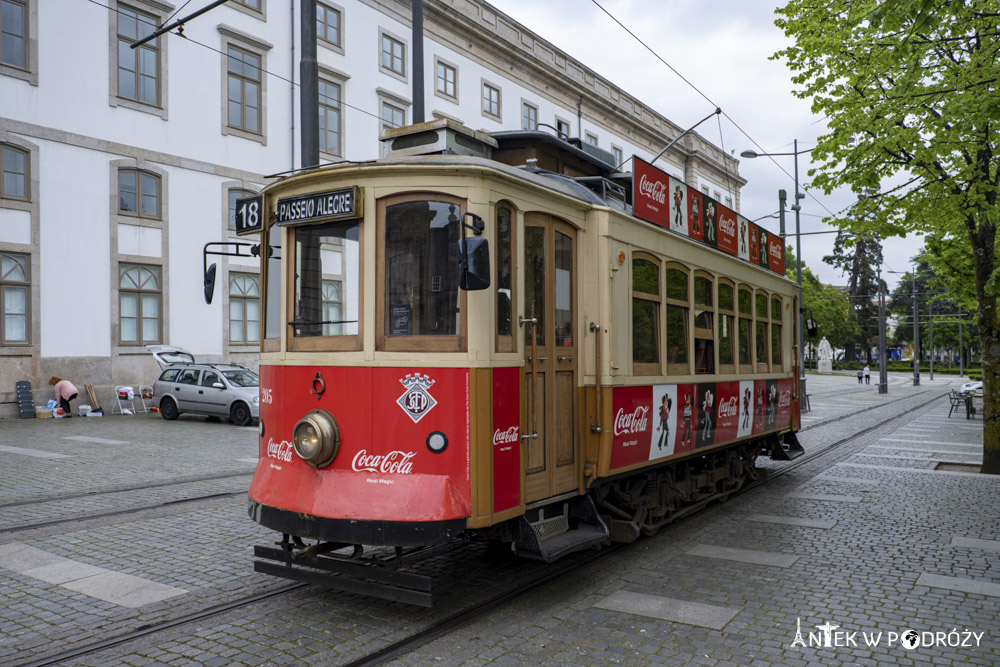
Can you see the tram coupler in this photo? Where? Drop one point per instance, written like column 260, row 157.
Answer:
column 785, row 447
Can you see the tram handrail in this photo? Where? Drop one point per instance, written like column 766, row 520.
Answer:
column 595, row 328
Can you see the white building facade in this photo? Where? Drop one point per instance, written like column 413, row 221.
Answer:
column 117, row 165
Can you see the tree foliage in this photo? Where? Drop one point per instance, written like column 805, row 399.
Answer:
column 909, row 91
column 826, row 304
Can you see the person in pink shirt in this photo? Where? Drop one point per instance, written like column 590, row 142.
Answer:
column 65, row 392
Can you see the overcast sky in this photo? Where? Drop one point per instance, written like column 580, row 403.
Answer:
column 722, row 47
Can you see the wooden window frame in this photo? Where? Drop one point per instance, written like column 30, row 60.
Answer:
column 245, row 79
column 338, row 44
column 525, row 116
column 779, row 322
column 745, row 366
column 721, row 312
column 384, row 343
column 243, row 299
column 686, row 367
column 139, row 173
column 701, row 333
column 157, row 271
column 343, row 342
column 646, row 368
column 323, row 110
column 764, row 367
column 26, row 156
column 22, row 260
column 152, row 46
column 506, row 343
column 439, row 81
column 387, row 39
column 486, row 110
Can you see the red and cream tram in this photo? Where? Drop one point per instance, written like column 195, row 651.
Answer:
column 500, row 334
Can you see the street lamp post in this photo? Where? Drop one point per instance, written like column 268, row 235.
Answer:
column 798, row 248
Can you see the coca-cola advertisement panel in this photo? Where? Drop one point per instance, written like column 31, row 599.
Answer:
column 711, row 236
column 384, row 469
column 776, row 254
column 687, row 417
column 706, row 415
column 784, row 416
column 754, row 245
column 744, row 240
column 727, row 411
column 665, row 419
column 696, row 215
column 728, row 231
column 506, row 438
column 632, row 410
column 746, row 409
column 679, row 206
column 762, row 245
column 649, row 193
column 759, row 396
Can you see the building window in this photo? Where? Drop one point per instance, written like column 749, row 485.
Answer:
column 332, row 299
column 328, row 24
column 139, row 303
column 244, row 92
column 591, row 139
column 677, row 308
column 446, row 80
column 329, row 117
column 138, row 193
column 139, row 68
column 562, row 129
column 704, row 189
column 234, row 194
column 729, row 202
column 529, row 117
column 244, row 308
column 617, row 152
column 14, row 33
column 14, row 285
column 393, row 55
column 14, row 170
column 252, row 4
column 645, row 316
column 491, row 100
column 392, row 116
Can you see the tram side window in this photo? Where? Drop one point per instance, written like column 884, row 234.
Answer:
column 776, row 360
column 745, row 328
column 645, row 317
column 677, row 321
column 704, row 331
column 327, row 275
column 504, row 279
column 421, row 269
column 727, row 360
column 760, row 331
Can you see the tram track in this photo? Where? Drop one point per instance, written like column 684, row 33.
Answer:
column 479, row 609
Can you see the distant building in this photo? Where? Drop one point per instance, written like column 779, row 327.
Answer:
column 119, row 165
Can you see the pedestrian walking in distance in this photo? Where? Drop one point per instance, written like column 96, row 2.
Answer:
column 65, row 392
column 861, row 375
column 868, row 375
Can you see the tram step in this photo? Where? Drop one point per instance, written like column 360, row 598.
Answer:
column 787, row 448
column 553, row 531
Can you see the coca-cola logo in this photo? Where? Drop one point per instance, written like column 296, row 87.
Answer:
column 395, row 462
column 729, row 407
column 510, row 436
column 655, row 190
column 784, row 399
column 635, row 422
column 279, row 450
column 728, row 226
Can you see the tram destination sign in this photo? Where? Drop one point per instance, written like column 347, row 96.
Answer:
column 668, row 202
column 249, row 216
column 332, row 205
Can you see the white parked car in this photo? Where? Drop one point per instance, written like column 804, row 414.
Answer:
column 971, row 386
column 218, row 390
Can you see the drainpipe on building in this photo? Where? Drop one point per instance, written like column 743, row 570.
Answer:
column 418, row 61
column 309, row 89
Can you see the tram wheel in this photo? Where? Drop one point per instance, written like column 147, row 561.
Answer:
column 169, row 409
column 239, row 414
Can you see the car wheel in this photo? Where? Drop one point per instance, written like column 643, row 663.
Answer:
column 169, row 409
column 239, row 414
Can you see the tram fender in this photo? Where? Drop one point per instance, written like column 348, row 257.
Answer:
column 785, row 447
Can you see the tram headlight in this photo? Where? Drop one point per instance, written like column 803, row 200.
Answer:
column 316, row 438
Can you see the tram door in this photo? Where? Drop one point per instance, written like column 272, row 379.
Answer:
column 551, row 460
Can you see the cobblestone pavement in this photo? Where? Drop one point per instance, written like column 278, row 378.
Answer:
column 885, row 543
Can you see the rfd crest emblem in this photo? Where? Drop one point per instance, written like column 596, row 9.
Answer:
column 416, row 401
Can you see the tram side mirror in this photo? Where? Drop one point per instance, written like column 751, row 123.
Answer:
column 474, row 263
column 209, row 283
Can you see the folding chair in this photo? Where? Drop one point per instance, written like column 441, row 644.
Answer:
column 124, row 401
column 146, row 397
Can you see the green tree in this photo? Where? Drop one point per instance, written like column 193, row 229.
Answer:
column 911, row 101
column 826, row 304
column 858, row 258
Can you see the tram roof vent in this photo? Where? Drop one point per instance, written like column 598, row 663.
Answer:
column 441, row 136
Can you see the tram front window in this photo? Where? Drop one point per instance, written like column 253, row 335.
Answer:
column 327, row 261
column 421, row 269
